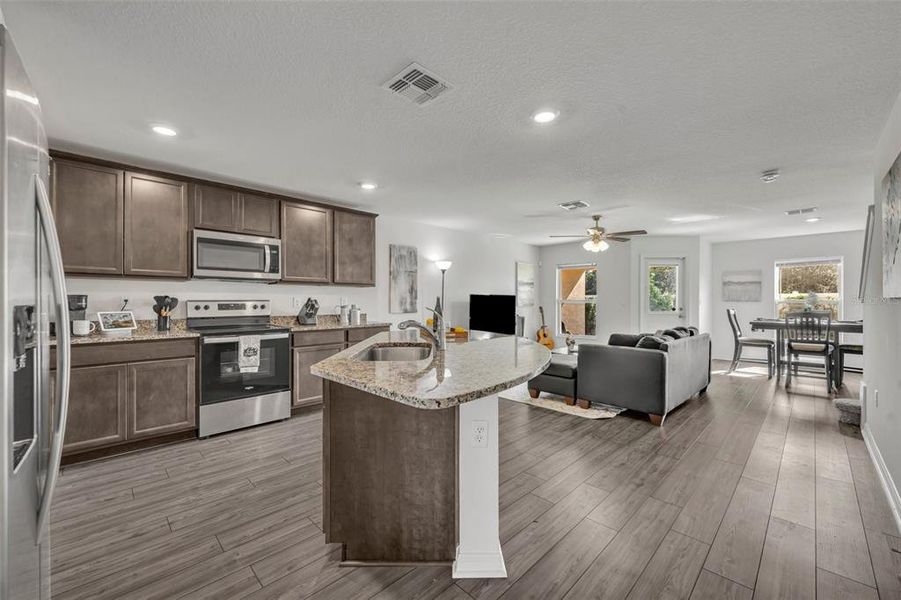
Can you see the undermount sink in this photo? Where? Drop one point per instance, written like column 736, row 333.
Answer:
column 395, row 353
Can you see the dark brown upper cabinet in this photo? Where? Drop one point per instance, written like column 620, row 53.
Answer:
column 224, row 209
column 354, row 248
column 88, row 207
column 215, row 208
column 258, row 215
column 306, row 243
column 156, row 226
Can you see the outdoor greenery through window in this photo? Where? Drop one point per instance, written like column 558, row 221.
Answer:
column 663, row 287
column 809, row 285
column 577, row 288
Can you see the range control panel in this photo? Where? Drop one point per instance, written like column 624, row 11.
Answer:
column 228, row 308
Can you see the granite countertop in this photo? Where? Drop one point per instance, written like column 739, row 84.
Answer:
column 462, row 373
column 146, row 330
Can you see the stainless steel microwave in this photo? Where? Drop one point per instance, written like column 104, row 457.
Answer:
column 221, row 255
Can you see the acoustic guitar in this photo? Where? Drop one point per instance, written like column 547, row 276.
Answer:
column 542, row 336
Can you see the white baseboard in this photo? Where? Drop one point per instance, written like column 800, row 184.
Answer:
column 888, row 485
column 478, row 565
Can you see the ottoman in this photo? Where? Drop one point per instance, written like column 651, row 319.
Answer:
column 559, row 378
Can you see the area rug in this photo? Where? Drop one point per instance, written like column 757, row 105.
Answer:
column 556, row 403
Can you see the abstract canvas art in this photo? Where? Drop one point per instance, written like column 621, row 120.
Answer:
column 891, row 232
column 525, row 284
column 742, row 286
column 403, row 279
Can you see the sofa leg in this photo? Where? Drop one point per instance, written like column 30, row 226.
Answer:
column 656, row 420
column 570, row 401
column 586, row 404
column 534, row 393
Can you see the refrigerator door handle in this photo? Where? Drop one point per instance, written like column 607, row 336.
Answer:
column 63, row 351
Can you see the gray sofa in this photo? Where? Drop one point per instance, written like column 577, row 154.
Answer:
column 652, row 381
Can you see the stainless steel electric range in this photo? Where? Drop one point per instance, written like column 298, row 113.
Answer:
column 230, row 396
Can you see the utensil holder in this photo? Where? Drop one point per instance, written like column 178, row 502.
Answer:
column 162, row 323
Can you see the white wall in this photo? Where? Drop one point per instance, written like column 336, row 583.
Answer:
column 882, row 322
column 763, row 255
column 619, row 279
column 482, row 264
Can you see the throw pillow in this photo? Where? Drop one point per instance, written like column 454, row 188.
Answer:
column 652, row 342
column 623, row 339
column 693, row 330
column 675, row 334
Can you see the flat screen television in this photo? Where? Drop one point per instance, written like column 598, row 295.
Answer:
column 492, row 312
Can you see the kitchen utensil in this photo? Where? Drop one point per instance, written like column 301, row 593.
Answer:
column 307, row 314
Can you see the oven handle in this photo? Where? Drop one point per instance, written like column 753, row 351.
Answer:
column 234, row 338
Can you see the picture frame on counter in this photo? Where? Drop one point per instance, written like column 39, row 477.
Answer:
column 117, row 322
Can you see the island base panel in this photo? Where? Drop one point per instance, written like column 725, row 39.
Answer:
column 389, row 478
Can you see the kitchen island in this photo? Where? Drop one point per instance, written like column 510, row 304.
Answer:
column 410, row 449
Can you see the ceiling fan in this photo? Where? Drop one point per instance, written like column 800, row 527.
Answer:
column 598, row 236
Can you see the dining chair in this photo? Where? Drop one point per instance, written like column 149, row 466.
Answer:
column 844, row 349
column 741, row 341
column 807, row 334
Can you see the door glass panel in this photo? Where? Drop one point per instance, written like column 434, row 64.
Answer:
column 663, row 288
column 225, row 255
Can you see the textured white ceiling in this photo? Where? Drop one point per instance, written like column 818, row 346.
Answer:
column 667, row 109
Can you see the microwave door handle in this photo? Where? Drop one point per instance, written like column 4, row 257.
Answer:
column 267, row 258
column 63, row 351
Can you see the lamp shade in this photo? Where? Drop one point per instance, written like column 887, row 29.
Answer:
column 596, row 246
column 444, row 265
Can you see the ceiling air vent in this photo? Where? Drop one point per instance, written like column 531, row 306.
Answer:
column 801, row 211
column 417, row 84
column 575, row 204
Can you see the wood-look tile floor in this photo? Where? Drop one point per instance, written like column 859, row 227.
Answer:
column 750, row 491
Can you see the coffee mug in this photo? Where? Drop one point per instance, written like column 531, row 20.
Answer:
column 83, row 327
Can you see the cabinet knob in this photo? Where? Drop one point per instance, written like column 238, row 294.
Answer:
column 196, row 307
column 206, row 307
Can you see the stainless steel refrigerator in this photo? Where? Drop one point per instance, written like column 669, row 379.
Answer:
column 32, row 294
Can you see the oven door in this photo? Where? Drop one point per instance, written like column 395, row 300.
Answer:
column 235, row 256
column 221, row 379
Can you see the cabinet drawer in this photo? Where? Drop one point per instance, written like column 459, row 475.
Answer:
column 318, row 338
column 110, row 353
column 361, row 333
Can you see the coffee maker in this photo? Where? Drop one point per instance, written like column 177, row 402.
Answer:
column 78, row 304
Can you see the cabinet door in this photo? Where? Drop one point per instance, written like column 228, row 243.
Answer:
column 258, row 215
column 215, row 208
column 88, row 207
column 354, row 248
column 306, row 243
column 97, row 415
column 308, row 387
column 161, row 397
column 156, row 226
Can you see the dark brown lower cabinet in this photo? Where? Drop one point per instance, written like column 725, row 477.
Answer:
column 307, row 389
column 97, row 415
column 161, row 397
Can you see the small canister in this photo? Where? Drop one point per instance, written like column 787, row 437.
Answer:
column 355, row 313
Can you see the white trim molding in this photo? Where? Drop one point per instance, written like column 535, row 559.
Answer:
column 888, row 485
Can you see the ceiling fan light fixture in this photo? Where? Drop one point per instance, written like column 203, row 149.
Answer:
column 596, row 246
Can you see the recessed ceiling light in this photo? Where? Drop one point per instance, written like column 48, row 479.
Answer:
column 692, row 218
column 545, row 116
column 769, row 176
column 812, row 219
column 163, row 130
column 368, row 185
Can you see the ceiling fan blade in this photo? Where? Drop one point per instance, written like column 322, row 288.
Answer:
column 568, row 236
column 634, row 232
column 617, row 238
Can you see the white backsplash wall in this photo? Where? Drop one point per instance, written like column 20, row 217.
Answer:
column 482, row 264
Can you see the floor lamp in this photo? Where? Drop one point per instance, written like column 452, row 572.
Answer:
column 443, row 265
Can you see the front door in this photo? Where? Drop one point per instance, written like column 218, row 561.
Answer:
column 662, row 293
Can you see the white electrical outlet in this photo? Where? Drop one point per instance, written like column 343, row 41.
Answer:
column 479, row 434
column 297, row 303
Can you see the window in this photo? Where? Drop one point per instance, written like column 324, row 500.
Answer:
column 663, row 287
column 577, row 294
column 814, row 283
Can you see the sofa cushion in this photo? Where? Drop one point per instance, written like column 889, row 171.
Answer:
column 652, row 342
column 562, row 365
column 624, row 339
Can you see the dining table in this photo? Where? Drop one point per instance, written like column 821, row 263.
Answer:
column 778, row 325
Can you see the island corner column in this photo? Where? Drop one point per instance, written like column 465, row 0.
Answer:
column 479, row 552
